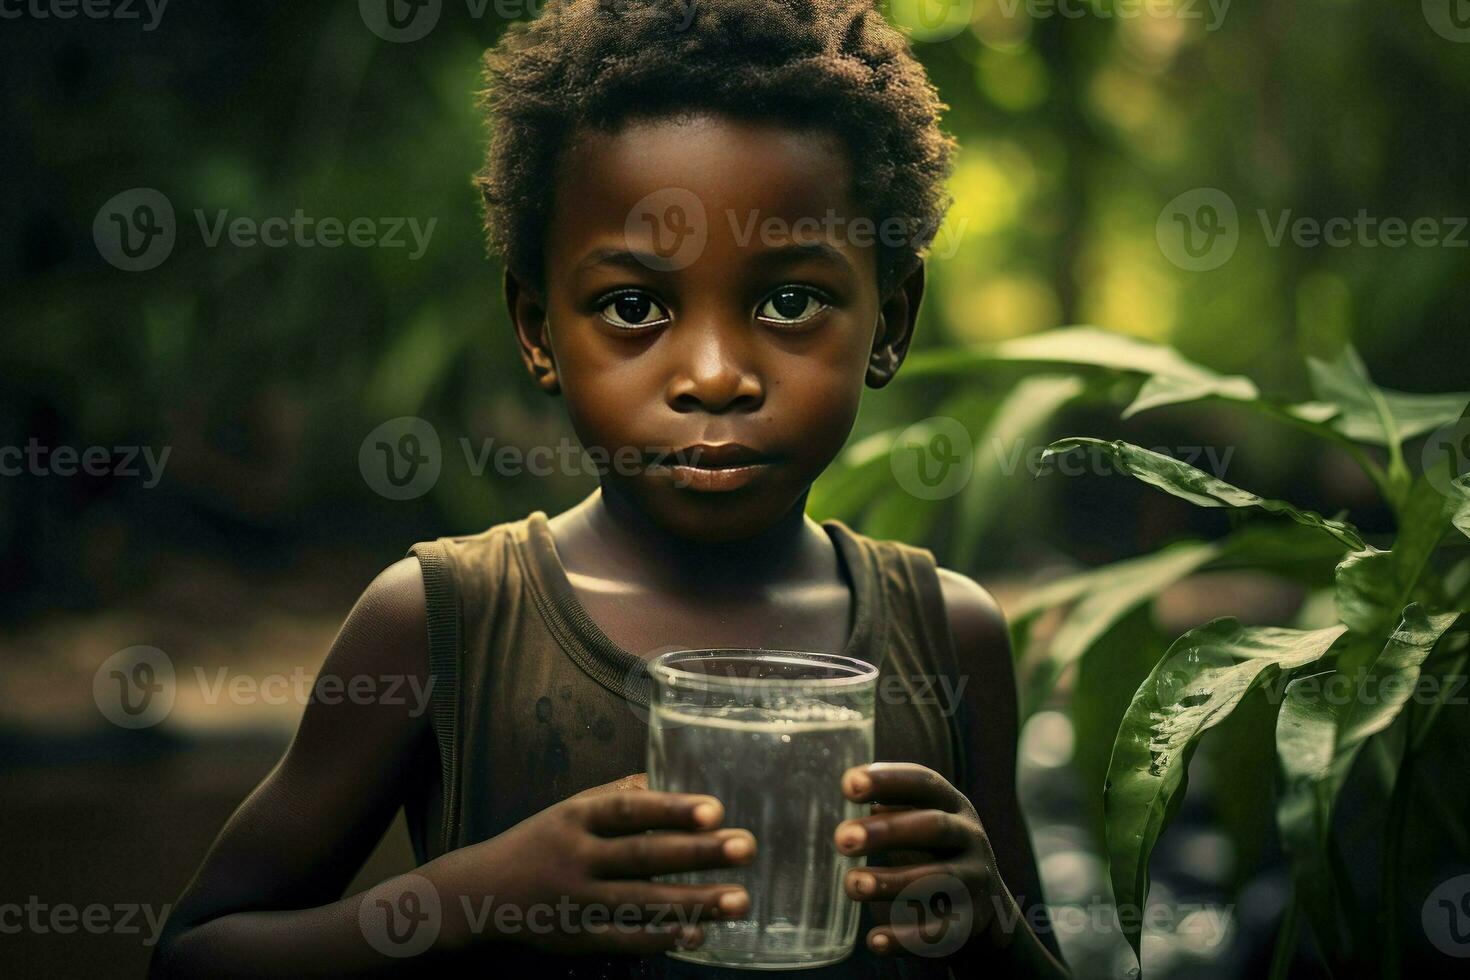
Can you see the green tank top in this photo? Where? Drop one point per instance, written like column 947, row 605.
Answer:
column 532, row 703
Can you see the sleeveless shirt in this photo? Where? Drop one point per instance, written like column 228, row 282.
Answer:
column 532, row 703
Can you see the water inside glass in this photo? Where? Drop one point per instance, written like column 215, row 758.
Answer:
column 769, row 734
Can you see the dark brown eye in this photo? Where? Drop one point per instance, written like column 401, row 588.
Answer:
column 633, row 310
column 791, row 304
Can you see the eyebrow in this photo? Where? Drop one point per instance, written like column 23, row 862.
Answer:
column 621, row 257
column 641, row 260
column 803, row 250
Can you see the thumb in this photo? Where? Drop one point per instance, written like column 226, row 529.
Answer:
column 638, row 780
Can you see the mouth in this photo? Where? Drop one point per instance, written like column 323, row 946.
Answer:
column 715, row 468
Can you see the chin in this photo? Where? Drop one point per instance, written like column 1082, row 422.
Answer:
column 710, row 517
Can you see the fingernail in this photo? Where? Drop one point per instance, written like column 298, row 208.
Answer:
column 864, row 884
column 858, row 782
column 734, row 903
column 879, row 942
column 739, row 848
column 850, row 836
column 707, row 814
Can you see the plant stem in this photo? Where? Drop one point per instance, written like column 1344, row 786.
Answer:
column 1285, row 950
column 1374, row 471
column 1393, row 855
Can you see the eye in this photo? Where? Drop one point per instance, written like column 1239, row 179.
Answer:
column 633, row 311
column 791, row 304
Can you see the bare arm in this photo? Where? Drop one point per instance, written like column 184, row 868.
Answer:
column 267, row 901
column 982, row 644
column 295, row 843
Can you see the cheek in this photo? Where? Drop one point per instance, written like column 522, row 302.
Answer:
column 820, row 395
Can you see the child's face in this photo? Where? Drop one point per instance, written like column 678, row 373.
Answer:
column 750, row 329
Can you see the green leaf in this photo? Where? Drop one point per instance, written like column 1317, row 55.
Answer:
column 1000, row 455
column 1199, row 682
column 1107, row 676
column 1365, row 589
column 1169, row 377
column 1372, row 587
column 1200, row 488
column 1319, row 732
column 898, row 516
column 1374, row 415
column 1125, row 586
column 859, row 474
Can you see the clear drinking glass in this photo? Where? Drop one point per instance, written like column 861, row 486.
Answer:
column 769, row 733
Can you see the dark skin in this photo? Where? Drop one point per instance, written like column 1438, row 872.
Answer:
column 762, row 340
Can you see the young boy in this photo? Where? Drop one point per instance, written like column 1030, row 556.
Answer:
column 711, row 219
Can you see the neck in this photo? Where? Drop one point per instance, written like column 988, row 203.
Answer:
column 787, row 550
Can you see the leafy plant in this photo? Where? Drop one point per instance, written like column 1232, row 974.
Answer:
column 1392, row 612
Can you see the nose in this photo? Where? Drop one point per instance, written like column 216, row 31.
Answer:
column 715, row 371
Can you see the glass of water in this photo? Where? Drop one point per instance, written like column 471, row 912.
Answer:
column 769, row 734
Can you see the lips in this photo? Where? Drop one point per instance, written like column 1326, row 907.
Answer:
column 716, row 468
column 717, row 456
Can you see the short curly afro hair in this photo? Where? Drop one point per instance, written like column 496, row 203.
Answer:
column 836, row 65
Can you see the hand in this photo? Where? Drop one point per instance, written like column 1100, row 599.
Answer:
column 577, row 873
column 938, row 885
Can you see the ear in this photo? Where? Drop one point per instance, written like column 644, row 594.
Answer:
column 528, row 315
column 896, row 319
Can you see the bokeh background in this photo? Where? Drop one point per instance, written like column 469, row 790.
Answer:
column 261, row 370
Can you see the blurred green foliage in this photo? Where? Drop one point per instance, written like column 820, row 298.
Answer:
column 265, row 367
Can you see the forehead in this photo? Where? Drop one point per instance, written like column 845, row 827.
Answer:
column 739, row 170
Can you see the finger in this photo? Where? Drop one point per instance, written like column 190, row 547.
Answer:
column 902, row 783
column 664, row 852
column 870, row 884
column 922, row 830
column 614, row 813
column 661, row 903
column 932, row 939
column 644, row 939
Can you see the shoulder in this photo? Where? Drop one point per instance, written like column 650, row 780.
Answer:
column 975, row 619
column 386, row 632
